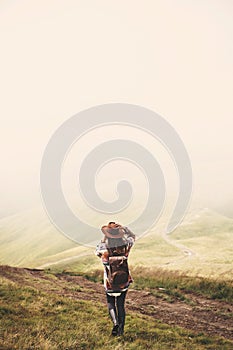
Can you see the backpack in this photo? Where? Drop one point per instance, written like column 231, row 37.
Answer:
column 118, row 272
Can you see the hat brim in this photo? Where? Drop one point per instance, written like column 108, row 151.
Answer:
column 109, row 232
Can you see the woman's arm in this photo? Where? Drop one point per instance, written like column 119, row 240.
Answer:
column 100, row 249
column 129, row 233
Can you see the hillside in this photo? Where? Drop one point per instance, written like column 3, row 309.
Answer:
column 29, row 238
column 201, row 245
column 41, row 310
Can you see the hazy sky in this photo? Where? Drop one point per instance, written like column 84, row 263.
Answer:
column 60, row 57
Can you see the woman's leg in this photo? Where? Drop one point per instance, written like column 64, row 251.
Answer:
column 121, row 312
column 111, row 301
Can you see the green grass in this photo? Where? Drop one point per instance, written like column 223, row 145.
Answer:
column 32, row 319
column 179, row 285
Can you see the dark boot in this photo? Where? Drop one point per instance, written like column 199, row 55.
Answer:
column 120, row 329
column 121, row 325
column 115, row 330
column 112, row 313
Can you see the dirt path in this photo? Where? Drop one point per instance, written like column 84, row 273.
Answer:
column 187, row 253
column 207, row 316
column 203, row 316
column 185, row 250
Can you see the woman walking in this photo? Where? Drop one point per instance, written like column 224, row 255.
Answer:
column 114, row 251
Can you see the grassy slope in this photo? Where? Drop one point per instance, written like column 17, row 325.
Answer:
column 32, row 319
column 28, row 238
column 25, row 241
column 210, row 235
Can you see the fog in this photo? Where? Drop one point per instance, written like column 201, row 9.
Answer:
column 61, row 57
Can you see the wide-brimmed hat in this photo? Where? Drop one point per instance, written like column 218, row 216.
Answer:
column 113, row 232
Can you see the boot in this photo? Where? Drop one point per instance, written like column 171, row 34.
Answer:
column 121, row 325
column 120, row 330
column 112, row 313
